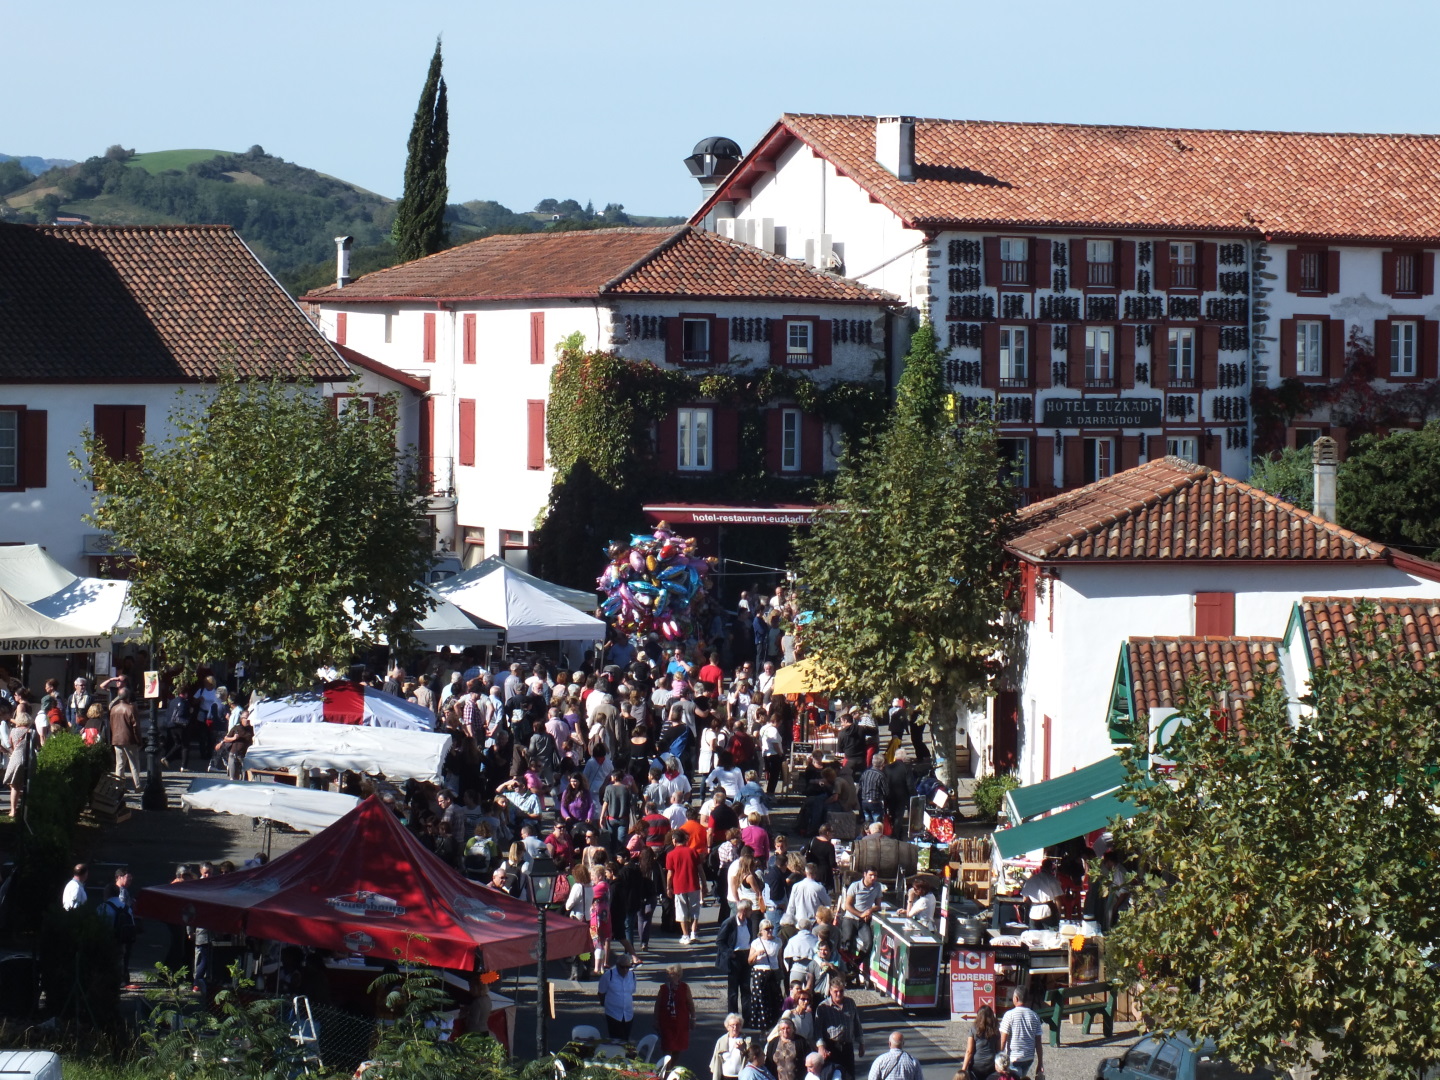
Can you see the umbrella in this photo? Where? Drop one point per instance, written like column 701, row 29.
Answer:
column 804, row 677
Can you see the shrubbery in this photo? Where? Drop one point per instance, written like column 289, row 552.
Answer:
column 990, row 793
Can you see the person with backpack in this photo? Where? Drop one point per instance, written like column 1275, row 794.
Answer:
column 118, row 909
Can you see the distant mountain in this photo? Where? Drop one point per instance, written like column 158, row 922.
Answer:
column 288, row 214
column 37, row 165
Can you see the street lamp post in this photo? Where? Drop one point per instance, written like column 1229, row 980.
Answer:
column 542, row 883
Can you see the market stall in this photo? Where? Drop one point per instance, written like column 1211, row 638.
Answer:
column 905, row 957
column 504, row 597
column 396, row 753
column 299, row 808
column 343, row 702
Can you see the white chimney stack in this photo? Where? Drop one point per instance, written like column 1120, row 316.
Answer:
column 342, row 260
column 1325, row 456
column 895, row 146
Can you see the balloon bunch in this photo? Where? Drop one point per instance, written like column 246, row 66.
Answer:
column 654, row 584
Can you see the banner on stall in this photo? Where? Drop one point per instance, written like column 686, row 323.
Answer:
column 972, row 982
column 53, row 645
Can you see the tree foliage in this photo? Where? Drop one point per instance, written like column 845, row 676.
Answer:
column 1286, row 474
column 420, row 217
column 1288, row 896
column 903, row 569
column 267, row 528
column 1389, row 489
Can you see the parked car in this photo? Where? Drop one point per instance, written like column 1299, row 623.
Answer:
column 1175, row 1057
column 29, row 1065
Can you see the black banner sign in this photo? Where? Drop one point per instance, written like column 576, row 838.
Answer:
column 1102, row 412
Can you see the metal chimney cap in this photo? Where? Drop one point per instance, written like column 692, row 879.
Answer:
column 1324, row 451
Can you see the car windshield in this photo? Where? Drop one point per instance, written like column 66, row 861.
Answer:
column 1140, row 1054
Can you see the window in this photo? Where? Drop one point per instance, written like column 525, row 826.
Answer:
column 9, row 448
column 799, row 342
column 1014, row 356
column 1099, row 357
column 1182, row 357
column 120, row 430
column 361, row 405
column 1306, row 436
column 1166, row 1065
column 695, row 341
column 1183, row 274
column 1182, row 446
column 468, row 343
column 1312, row 271
column 512, row 538
column 1100, row 255
column 1309, row 359
column 790, row 421
column 473, row 550
column 1015, row 461
column 1405, row 278
column 1402, row 348
column 1139, row 1056
column 1014, row 261
column 693, row 438
column 1099, row 459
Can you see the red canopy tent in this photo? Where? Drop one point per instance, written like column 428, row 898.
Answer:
column 367, row 885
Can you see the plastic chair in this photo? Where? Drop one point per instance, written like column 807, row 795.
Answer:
column 584, row 1031
column 559, row 1069
column 645, row 1048
column 660, row 1069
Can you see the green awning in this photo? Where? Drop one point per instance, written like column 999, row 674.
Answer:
column 1105, row 775
column 1056, row 829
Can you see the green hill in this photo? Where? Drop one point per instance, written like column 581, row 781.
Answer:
column 159, row 161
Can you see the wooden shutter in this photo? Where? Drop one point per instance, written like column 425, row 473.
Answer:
column 426, row 447
column 535, row 434
column 1040, row 263
column 675, row 340
column 1335, row 347
column 1074, row 461
column 1126, row 358
column 1209, row 357
column 468, row 329
column 1129, row 451
column 1425, row 268
column 1126, row 268
column 990, row 356
column 133, row 431
column 1075, row 353
column 340, row 327
column 727, row 439
column 1210, row 451
column 1205, row 254
column 1387, row 273
column 778, row 341
column 823, row 341
column 120, row 430
column 1287, row 349
column 1042, row 466
column 1160, row 356
column 1332, row 272
column 1154, row 447
column 537, row 337
column 1028, row 574
column 719, row 341
column 667, row 442
column 1382, row 348
column 1160, row 263
column 465, row 451
column 774, row 439
column 992, row 260
column 1040, row 353
column 1214, row 614
column 427, row 347
column 34, row 447
column 1079, row 265
column 1429, row 346
column 1292, row 271
column 812, row 444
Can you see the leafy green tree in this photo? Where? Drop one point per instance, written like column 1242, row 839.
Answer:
column 420, row 218
column 13, row 176
column 547, row 206
column 46, row 207
column 904, row 568
column 267, row 528
column 1287, row 896
column 1389, row 489
column 1287, row 474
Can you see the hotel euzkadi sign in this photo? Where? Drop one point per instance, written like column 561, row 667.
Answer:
column 1102, row 412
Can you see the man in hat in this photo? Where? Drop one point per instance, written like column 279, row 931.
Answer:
column 616, row 991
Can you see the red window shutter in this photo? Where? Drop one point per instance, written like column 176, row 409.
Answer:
column 774, row 439
column 824, row 338
column 1387, row 273
column 1074, row 461
column 468, row 325
column 1042, row 466
column 34, row 448
column 335, row 400
column 427, row 348
column 1382, row 348
column 537, row 337
column 1287, row 348
column 1029, row 573
column 675, row 340
column 812, row 445
column 1425, row 266
column 727, row 439
column 720, row 341
column 1429, row 346
column 1209, row 357
column 992, row 260
column 1332, row 272
column 1210, row 452
column 1214, row 614
column 778, row 334
column 426, row 441
column 1126, row 358
column 1154, row 447
column 1079, row 264
column 1076, row 354
column 990, row 356
column 1206, row 253
column 667, row 442
column 1292, row 271
column 534, row 434
column 1335, row 348
column 1160, row 356
column 1127, row 264
column 108, row 434
column 1129, row 451
column 1160, row 262
column 465, row 452
column 1040, row 263
column 1040, row 338
column 340, row 328
column 132, row 431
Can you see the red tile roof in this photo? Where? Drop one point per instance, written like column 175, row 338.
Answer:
column 1341, row 624
column 1161, row 668
column 1277, row 184
column 669, row 262
column 147, row 303
column 1170, row 509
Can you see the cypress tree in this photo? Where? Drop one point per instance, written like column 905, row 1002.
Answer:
column 420, row 218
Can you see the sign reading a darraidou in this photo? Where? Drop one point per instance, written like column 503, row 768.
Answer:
column 1102, row 412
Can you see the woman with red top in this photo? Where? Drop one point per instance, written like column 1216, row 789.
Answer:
column 674, row 1012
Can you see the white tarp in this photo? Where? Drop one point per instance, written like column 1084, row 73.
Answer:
column 300, row 808
column 27, row 572
column 505, row 599
column 579, row 599
column 381, row 710
column 394, row 752
column 25, row 630
column 97, row 604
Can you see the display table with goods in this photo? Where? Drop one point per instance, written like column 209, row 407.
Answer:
column 905, row 960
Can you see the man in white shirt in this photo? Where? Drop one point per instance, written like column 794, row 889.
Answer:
column 1020, row 1031
column 75, row 896
column 807, row 896
column 772, row 753
column 1043, row 889
column 675, row 812
column 801, row 946
column 616, row 991
column 674, row 779
column 766, row 683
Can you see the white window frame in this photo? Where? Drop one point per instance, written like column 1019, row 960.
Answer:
column 1309, row 347
column 1182, row 252
column 9, row 448
column 790, row 452
column 1404, row 337
column 1016, row 466
column 1100, row 251
column 685, row 352
column 694, row 435
column 1014, row 249
column 1095, row 352
column 1181, row 357
column 1014, row 355
column 796, row 352
column 1182, row 446
column 1104, row 456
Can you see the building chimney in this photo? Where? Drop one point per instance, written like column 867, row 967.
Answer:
column 342, row 260
column 712, row 160
column 895, row 146
column 1325, row 456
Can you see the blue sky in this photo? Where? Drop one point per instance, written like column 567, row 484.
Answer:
column 602, row 101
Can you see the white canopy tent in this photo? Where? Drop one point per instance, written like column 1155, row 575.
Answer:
column 95, row 605
column 579, row 599
column 380, row 710
column 300, row 808
column 503, row 597
column 396, row 753
column 24, row 630
column 27, row 572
